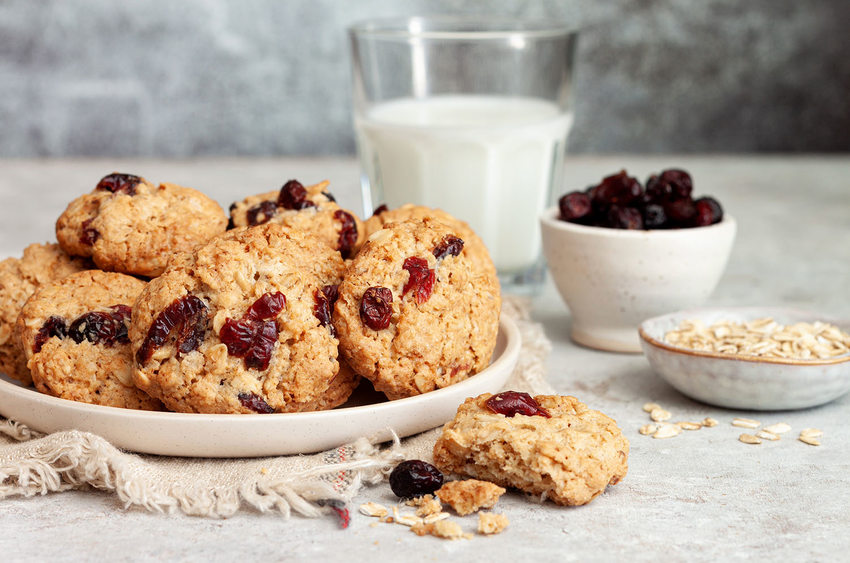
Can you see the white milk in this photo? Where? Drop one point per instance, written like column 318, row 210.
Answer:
column 490, row 161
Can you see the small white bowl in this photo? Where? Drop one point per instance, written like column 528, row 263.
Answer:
column 613, row 279
column 745, row 382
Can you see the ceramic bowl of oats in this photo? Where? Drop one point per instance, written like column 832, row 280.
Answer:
column 759, row 358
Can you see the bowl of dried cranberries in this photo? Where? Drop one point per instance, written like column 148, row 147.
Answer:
column 621, row 252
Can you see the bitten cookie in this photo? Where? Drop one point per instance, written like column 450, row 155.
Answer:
column 312, row 210
column 473, row 245
column 551, row 446
column 242, row 327
column 129, row 225
column 415, row 313
column 74, row 334
column 19, row 279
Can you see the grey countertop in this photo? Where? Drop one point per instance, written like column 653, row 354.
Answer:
column 702, row 496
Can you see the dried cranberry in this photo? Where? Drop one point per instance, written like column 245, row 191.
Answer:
column 449, row 245
column 237, row 335
column 96, row 327
column 293, row 196
column 654, row 216
column 324, row 303
column 260, row 213
column 680, row 212
column 375, row 308
column 89, row 235
column 380, row 209
column 255, row 403
column 347, row 232
column 414, row 478
column 187, row 310
column 260, row 354
column 708, row 212
column 253, row 336
column 266, row 307
column 121, row 314
column 421, row 279
column 510, row 403
column 617, row 189
column 329, row 196
column 119, row 183
column 624, row 218
column 53, row 326
column 670, row 184
column 251, row 340
column 575, row 207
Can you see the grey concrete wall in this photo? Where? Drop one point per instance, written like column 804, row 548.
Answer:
column 263, row 77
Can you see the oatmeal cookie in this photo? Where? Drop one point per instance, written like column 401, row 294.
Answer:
column 129, row 225
column 74, row 334
column 312, row 209
column 567, row 453
column 239, row 328
column 473, row 245
column 415, row 313
column 19, row 278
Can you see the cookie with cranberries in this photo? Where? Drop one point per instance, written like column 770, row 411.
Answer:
column 127, row 224
column 473, row 246
column 416, row 313
column 19, row 279
column 239, row 326
column 311, row 209
column 74, row 333
column 550, row 446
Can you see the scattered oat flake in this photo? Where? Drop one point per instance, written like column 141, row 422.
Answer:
column 709, row 422
column 667, row 431
column 810, row 440
column 647, row 429
column 767, row 435
column 685, row 425
column 660, row 415
column 373, row 509
column 745, row 423
column 408, row 520
column 812, row 432
column 749, row 439
column 431, row 518
column 778, row 428
column 649, row 407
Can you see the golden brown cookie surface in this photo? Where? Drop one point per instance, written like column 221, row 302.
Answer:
column 569, row 457
column 235, row 329
column 415, row 313
column 129, row 225
column 311, row 209
column 74, row 334
column 19, row 279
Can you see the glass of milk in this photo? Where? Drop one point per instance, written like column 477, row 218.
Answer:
column 470, row 116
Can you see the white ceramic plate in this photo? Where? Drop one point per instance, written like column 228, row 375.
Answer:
column 255, row 435
column 745, row 382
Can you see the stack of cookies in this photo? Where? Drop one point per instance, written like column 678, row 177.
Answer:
column 152, row 299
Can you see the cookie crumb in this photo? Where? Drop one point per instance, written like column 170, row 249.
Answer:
column 426, row 505
column 469, row 495
column 445, row 529
column 490, row 523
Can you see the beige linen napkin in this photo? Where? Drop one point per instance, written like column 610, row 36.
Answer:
column 32, row 463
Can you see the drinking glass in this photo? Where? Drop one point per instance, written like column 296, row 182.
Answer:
column 470, row 116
